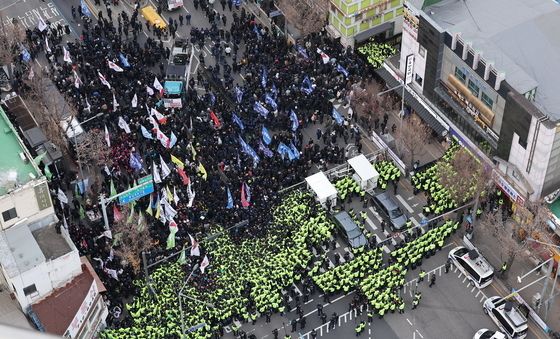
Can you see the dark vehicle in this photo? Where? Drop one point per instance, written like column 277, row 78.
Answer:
column 389, row 209
column 350, row 230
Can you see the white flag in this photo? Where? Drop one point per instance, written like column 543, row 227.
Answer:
column 115, row 103
column 88, row 106
column 107, row 138
column 191, row 194
column 170, row 212
column 106, row 169
column 205, row 262
column 103, row 80
column 77, row 81
column 157, row 85
column 162, row 138
column 165, row 171
column 31, row 74
column 149, row 90
column 123, row 125
column 160, row 117
column 157, row 178
column 324, row 56
column 134, row 101
column 47, row 48
column 195, row 250
column 62, row 196
column 175, row 196
column 114, row 66
column 41, row 25
column 67, row 57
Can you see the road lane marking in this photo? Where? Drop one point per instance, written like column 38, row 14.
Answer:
column 370, row 223
column 409, row 322
column 421, row 336
column 414, row 221
column 405, row 204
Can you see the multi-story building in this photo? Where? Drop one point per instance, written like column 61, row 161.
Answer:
column 355, row 21
column 490, row 70
column 39, row 264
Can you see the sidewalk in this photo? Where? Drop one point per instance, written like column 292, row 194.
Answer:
column 524, row 263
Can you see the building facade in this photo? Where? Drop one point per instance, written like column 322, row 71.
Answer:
column 358, row 20
column 494, row 81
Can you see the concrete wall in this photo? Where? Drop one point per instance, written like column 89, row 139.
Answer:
column 520, row 156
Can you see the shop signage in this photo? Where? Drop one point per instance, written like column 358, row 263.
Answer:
column 410, row 21
column 507, row 188
column 409, row 71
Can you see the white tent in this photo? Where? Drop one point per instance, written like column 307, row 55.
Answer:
column 365, row 174
column 322, row 187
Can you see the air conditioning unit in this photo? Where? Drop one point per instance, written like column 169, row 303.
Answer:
column 23, row 157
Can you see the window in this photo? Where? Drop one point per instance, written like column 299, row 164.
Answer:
column 421, row 51
column 31, row 289
column 469, row 269
column 460, row 75
column 9, row 214
column 502, row 322
column 418, row 79
column 474, row 88
column 487, row 100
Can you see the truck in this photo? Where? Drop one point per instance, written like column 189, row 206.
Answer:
column 175, row 75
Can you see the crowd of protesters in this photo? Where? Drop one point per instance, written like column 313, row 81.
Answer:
column 233, row 141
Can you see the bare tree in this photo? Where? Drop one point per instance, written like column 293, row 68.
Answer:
column 93, row 149
column 49, row 107
column 12, row 35
column 412, row 135
column 465, row 178
column 511, row 235
column 133, row 238
column 307, row 16
column 365, row 101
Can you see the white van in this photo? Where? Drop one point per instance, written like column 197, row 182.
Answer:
column 473, row 265
column 508, row 316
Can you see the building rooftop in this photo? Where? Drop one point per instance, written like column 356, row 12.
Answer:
column 519, row 36
column 57, row 310
column 52, row 244
column 19, row 251
column 13, row 170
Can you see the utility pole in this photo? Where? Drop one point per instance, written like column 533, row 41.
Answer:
column 71, row 125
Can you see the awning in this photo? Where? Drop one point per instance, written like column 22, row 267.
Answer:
column 321, row 185
column 363, row 168
column 363, row 36
column 413, row 103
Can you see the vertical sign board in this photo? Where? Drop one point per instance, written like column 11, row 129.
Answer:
column 409, row 71
column 42, row 195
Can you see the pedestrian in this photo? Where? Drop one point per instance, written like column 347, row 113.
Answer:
column 188, row 18
column 395, row 186
column 302, row 323
column 275, row 333
column 447, row 266
column 320, row 309
column 433, row 279
column 267, row 314
column 294, row 325
column 181, row 19
column 383, row 224
column 323, row 318
column 313, row 334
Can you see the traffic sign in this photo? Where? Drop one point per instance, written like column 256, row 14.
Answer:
column 424, row 221
column 145, row 186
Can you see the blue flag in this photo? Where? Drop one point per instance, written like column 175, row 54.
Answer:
column 25, row 55
column 237, row 3
column 85, row 8
column 238, row 94
column 124, row 60
column 266, row 151
column 264, row 76
column 146, row 133
column 212, row 98
column 295, row 121
column 307, row 85
column 259, row 108
column 238, row 121
column 256, row 30
column 173, row 140
column 229, row 199
column 337, row 117
column 295, row 151
column 285, row 150
column 274, row 91
column 249, row 151
column 135, row 161
column 266, row 136
column 342, row 70
column 83, row 185
column 268, row 99
column 302, row 51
